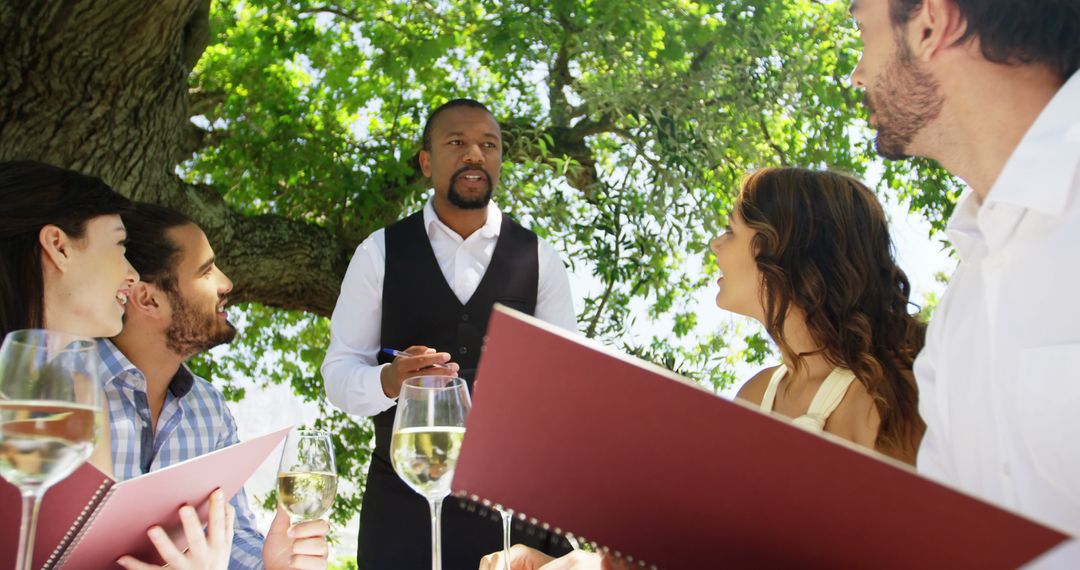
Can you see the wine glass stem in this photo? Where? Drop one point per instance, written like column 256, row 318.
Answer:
column 31, row 500
column 506, row 516
column 436, row 533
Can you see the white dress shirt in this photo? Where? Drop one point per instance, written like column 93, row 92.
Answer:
column 351, row 371
column 999, row 378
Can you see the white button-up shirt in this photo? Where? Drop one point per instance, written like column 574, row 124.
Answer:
column 351, row 371
column 999, row 378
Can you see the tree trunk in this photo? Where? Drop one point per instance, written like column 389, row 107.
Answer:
column 101, row 86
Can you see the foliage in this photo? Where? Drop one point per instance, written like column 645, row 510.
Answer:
column 629, row 125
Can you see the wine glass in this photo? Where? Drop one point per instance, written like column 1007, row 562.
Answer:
column 50, row 414
column 307, row 478
column 429, row 426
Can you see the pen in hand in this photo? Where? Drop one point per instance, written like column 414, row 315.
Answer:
column 397, row 353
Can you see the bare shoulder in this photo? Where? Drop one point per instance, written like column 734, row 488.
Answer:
column 753, row 391
column 856, row 418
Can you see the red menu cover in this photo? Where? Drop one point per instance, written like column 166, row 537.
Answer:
column 638, row 460
column 88, row 520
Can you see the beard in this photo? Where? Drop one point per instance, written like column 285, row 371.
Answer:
column 192, row 331
column 455, row 197
column 905, row 99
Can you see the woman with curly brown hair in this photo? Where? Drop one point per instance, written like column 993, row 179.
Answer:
column 807, row 253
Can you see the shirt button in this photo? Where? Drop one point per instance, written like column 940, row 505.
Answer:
column 464, row 317
column 1006, row 469
column 464, row 350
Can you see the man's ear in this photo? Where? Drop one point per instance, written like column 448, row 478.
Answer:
column 425, row 162
column 147, row 299
column 935, row 27
column 56, row 246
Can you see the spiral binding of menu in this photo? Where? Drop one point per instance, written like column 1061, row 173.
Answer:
column 78, row 528
column 575, row 541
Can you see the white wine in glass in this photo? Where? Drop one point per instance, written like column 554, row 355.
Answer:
column 429, row 426
column 50, row 414
column 307, row 478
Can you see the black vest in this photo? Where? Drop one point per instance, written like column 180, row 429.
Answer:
column 420, row 308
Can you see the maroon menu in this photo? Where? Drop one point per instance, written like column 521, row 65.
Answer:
column 629, row 456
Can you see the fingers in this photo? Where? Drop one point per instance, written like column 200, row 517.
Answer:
column 521, row 558
column 414, row 363
column 193, row 530
column 165, row 547
column 215, row 529
column 315, row 546
column 230, row 526
column 133, row 564
column 308, row 562
column 316, row 528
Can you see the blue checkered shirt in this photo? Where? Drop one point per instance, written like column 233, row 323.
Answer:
column 193, row 421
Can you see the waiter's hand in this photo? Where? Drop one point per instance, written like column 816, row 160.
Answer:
column 423, row 361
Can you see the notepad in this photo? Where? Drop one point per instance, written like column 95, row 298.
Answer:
column 88, row 520
column 645, row 464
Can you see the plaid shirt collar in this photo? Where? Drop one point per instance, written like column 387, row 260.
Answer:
column 122, row 371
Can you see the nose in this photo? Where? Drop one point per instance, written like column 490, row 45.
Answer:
column 714, row 244
column 226, row 285
column 473, row 155
column 130, row 276
column 856, row 78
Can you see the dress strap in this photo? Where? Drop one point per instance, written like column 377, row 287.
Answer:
column 828, row 397
column 770, row 391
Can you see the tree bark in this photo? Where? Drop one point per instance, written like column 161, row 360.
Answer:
column 101, row 86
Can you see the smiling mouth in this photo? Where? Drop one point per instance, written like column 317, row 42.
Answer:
column 122, row 296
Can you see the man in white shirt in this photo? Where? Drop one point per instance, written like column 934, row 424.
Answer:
column 989, row 89
column 428, row 283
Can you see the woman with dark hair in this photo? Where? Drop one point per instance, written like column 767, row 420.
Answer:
column 62, row 263
column 807, row 253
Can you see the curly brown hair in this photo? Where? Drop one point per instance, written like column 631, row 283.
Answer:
column 822, row 244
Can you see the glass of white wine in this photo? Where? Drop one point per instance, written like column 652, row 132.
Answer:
column 429, row 426
column 50, row 409
column 307, row 478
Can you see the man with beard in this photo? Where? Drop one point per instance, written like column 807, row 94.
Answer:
column 990, row 90
column 161, row 413
column 427, row 284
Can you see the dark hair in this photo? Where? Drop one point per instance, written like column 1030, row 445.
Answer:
column 150, row 250
column 32, row 196
column 425, row 141
column 1016, row 31
column 822, row 245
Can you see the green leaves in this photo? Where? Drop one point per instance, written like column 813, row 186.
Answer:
column 629, row 126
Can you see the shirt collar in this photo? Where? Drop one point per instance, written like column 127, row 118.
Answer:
column 963, row 227
column 491, row 228
column 1040, row 172
column 120, row 369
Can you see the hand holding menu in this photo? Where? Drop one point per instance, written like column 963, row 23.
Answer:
column 88, row 520
column 638, row 460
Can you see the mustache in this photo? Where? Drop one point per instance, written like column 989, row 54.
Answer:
column 867, row 102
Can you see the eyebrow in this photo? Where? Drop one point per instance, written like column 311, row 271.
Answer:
column 488, row 135
column 206, row 265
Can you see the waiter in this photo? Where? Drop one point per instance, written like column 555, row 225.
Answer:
column 426, row 285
